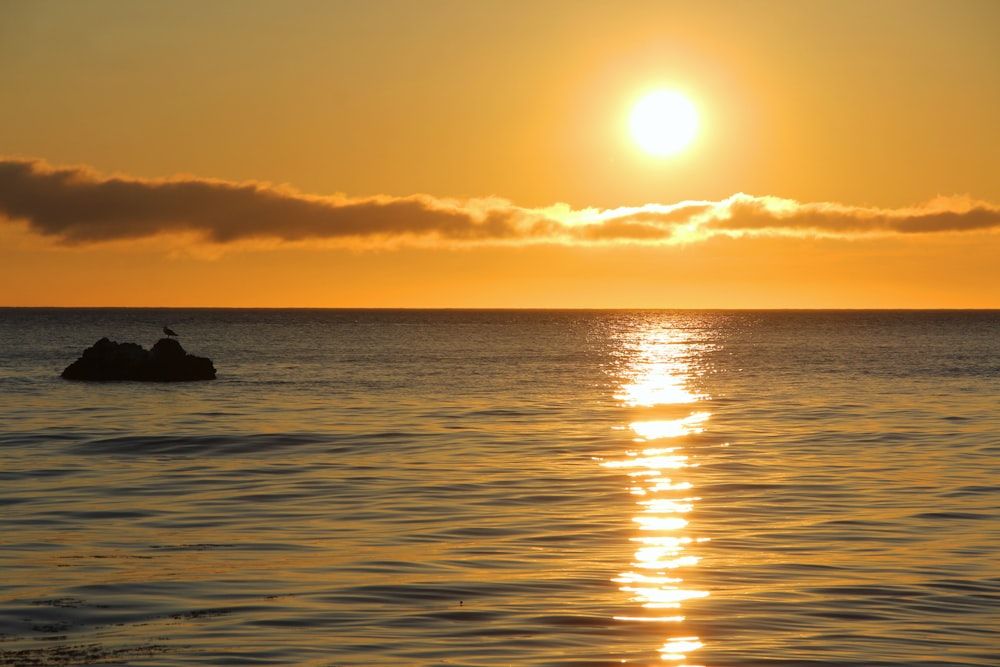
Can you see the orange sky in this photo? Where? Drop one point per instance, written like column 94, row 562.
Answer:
column 477, row 154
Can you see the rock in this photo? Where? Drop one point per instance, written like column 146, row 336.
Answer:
column 107, row 360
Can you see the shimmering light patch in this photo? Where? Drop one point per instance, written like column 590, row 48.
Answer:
column 659, row 597
column 660, row 462
column 664, row 505
column 663, row 541
column 652, row 464
column 654, row 562
column 670, row 428
column 651, row 619
column 664, row 484
column 660, row 523
column 655, row 558
column 677, row 648
column 655, row 389
column 633, row 577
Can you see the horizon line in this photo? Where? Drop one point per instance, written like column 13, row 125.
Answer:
column 542, row 308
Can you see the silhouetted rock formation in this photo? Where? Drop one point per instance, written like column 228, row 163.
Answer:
column 167, row 362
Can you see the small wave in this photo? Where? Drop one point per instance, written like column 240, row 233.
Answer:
column 35, row 474
column 866, row 591
column 967, row 586
column 972, row 490
column 960, row 516
column 185, row 445
column 388, row 593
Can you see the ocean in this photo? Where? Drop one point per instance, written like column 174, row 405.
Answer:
column 503, row 487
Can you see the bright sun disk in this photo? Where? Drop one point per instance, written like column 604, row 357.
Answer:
column 663, row 122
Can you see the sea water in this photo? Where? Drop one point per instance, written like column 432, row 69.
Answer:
column 484, row 488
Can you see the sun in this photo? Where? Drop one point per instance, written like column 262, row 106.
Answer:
column 663, row 122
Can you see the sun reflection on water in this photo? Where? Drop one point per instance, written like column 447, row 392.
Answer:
column 660, row 364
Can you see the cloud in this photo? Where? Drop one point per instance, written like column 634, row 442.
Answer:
column 753, row 214
column 75, row 206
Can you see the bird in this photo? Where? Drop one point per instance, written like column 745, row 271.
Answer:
column 167, row 330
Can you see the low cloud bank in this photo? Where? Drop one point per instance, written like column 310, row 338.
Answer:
column 77, row 206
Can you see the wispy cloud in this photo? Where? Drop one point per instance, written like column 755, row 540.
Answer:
column 77, row 206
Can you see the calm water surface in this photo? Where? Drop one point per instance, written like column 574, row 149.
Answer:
column 485, row 488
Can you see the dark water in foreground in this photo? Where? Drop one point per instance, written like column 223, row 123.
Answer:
column 505, row 488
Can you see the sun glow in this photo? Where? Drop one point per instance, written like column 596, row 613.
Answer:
column 663, row 122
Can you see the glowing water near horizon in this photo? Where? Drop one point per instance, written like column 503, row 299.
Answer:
column 489, row 488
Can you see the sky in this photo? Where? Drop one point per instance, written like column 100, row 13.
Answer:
column 440, row 153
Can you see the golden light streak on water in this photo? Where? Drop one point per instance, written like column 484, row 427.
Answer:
column 659, row 372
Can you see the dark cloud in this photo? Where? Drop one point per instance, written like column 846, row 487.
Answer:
column 76, row 206
column 754, row 214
